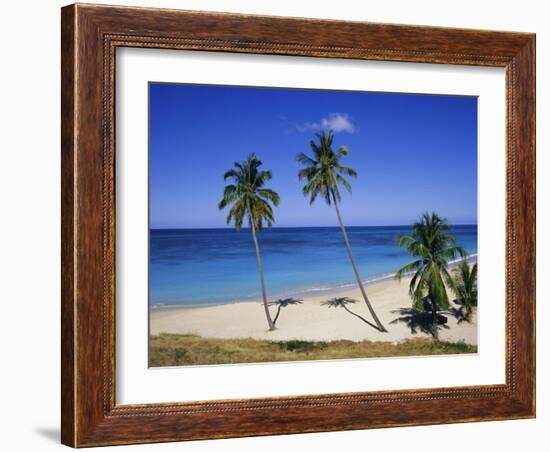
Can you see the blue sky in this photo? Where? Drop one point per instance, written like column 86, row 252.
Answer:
column 412, row 152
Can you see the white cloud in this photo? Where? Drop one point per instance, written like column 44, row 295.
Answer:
column 337, row 122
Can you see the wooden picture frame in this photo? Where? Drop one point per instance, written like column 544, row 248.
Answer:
column 90, row 36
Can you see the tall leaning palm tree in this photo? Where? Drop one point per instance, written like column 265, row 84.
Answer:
column 324, row 174
column 251, row 201
column 433, row 246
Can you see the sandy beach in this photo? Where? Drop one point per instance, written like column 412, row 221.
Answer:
column 310, row 320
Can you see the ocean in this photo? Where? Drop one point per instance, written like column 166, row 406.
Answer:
column 215, row 266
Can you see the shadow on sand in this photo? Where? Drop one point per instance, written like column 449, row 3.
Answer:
column 419, row 321
column 459, row 314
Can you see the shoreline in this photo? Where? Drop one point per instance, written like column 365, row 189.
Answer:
column 311, row 320
column 299, row 293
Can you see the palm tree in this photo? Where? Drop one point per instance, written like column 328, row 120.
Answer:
column 324, row 174
column 433, row 246
column 465, row 288
column 342, row 302
column 250, row 200
column 283, row 303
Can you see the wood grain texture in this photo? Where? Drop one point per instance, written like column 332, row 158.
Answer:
column 68, row 244
column 90, row 36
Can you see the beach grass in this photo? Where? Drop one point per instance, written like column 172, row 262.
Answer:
column 188, row 349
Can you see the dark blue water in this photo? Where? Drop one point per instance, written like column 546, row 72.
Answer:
column 209, row 266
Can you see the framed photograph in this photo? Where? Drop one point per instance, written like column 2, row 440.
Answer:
column 281, row 225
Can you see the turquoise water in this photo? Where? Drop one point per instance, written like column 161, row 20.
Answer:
column 211, row 266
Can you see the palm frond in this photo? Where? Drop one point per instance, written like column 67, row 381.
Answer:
column 323, row 172
column 344, row 183
column 408, row 269
column 270, row 195
column 342, row 151
column 465, row 287
column 247, row 196
column 432, row 244
column 304, row 159
column 346, row 170
column 231, row 174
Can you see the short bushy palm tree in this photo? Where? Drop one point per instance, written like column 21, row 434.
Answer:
column 342, row 302
column 465, row 288
column 433, row 246
column 283, row 303
column 251, row 201
column 324, row 174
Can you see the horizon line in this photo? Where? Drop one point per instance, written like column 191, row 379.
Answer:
column 294, row 227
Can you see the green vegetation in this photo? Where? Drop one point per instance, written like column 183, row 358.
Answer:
column 465, row 289
column 299, row 346
column 324, row 174
column 185, row 349
column 433, row 246
column 250, row 200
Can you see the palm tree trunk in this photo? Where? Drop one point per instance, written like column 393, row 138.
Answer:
column 262, row 282
column 435, row 326
column 469, row 312
column 354, row 265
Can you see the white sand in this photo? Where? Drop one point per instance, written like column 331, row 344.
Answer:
column 309, row 320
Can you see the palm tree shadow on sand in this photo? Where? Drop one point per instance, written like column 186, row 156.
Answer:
column 459, row 314
column 283, row 303
column 419, row 321
column 341, row 302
